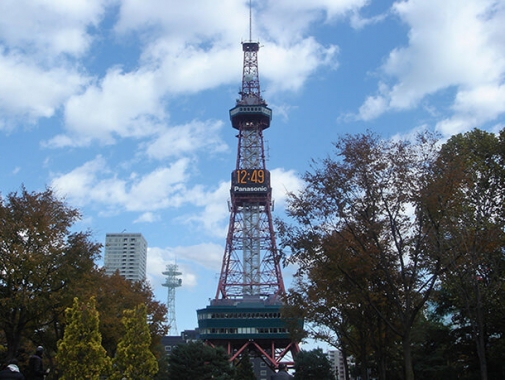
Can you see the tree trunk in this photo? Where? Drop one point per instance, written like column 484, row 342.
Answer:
column 407, row 356
column 479, row 332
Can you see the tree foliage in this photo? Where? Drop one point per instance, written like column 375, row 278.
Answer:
column 197, row 361
column 41, row 258
column 115, row 294
column 44, row 266
column 312, row 365
column 134, row 359
column 472, row 218
column 80, row 352
column 367, row 265
column 245, row 369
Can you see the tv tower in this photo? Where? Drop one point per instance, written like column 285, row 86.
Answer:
column 172, row 282
column 245, row 315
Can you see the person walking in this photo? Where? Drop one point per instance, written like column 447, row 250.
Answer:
column 35, row 365
column 11, row 372
column 282, row 374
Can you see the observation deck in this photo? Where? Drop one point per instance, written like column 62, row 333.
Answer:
column 253, row 114
column 242, row 321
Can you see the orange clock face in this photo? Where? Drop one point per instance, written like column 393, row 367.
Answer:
column 250, row 176
column 250, row 180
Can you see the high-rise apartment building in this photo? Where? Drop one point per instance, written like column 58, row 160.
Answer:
column 337, row 363
column 126, row 252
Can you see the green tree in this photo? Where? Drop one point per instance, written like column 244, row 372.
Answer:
column 80, row 352
column 134, row 359
column 363, row 215
column 312, row 365
column 114, row 294
column 245, row 369
column 472, row 224
column 41, row 259
column 197, row 361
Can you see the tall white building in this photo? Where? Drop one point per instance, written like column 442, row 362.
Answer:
column 337, row 364
column 126, row 252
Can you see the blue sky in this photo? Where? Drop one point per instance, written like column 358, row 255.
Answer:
column 122, row 106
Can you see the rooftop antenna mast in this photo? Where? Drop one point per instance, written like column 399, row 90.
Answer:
column 171, row 282
column 250, row 20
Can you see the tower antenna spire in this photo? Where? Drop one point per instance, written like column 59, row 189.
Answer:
column 250, row 20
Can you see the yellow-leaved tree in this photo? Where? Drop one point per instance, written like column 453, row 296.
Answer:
column 134, row 359
column 80, row 352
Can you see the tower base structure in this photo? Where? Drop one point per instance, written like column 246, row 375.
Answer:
column 248, row 326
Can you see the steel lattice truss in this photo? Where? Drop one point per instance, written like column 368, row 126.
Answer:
column 250, row 262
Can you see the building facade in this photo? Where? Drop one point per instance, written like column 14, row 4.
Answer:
column 337, row 363
column 126, row 253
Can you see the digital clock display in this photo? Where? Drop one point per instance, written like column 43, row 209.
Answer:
column 250, row 181
column 250, row 176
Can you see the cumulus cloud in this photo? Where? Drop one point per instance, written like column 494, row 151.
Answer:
column 183, row 49
column 286, row 20
column 50, row 27
column 186, row 139
column 94, row 182
column 288, row 67
column 39, row 41
column 121, row 105
column 32, row 92
column 284, row 182
column 452, row 44
column 163, row 188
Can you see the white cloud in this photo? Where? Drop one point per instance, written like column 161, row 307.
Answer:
column 187, row 139
column 287, row 20
column 287, row 68
column 215, row 212
column 148, row 217
column 192, row 22
column 122, row 105
column 159, row 189
column 452, row 44
column 473, row 107
column 373, row 107
column 283, row 183
column 50, row 27
column 28, row 91
column 185, row 48
column 76, row 184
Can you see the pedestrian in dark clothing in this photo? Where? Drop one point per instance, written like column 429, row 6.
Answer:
column 11, row 372
column 282, row 374
column 35, row 366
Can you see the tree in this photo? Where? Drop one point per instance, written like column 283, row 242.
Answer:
column 80, row 352
column 41, row 258
column 245, row 369
column 312, row 365
column 197, row 361
column 134, row 359
column 363, row 215
column 114, row 294
column 472, row 165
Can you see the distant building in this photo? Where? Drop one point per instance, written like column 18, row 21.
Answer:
column 169, row 342
column 126, row 252
column 336, row 360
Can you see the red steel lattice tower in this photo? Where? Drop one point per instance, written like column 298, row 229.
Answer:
column 251, row 262
column 245, row 316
